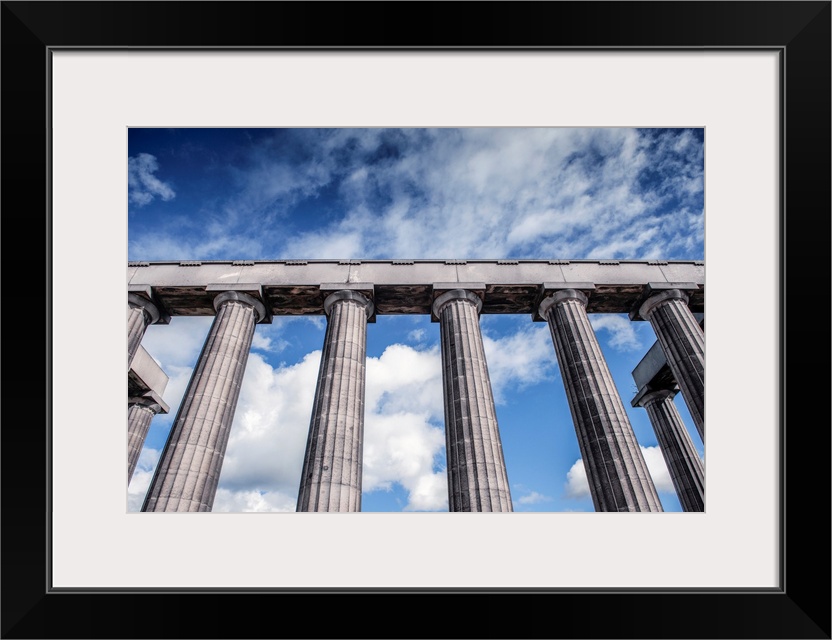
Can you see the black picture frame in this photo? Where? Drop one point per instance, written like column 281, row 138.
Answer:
column 799, row 31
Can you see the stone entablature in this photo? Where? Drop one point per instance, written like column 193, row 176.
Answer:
column 294, row 287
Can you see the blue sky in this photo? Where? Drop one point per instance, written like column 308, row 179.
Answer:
column 488, row 193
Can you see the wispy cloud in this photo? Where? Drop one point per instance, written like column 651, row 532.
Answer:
column 143, row 185
column 532, row 498
column 439, row 193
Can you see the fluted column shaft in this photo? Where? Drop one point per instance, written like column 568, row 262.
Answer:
column 477, row 478
column 140, row 412
column 189, row 469
column 617, row 473
column 332, row 466
column 683, row 462
column 140, row 313
column 683, row 343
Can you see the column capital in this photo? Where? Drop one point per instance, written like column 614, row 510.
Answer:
column 232, row 295
column 142, row 295
column 648, row 396
column 349, row 294
column 455, row 294
column 146, row 305
column 561, row 296
column 548, row 289
column 655, row 293
column 656, row 299
column 151, row 400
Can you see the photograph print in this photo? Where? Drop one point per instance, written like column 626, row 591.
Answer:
column 416, row 320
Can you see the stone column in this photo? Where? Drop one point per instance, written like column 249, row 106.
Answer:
column 141, row 312
column 331, row 477
column 683, row 343
column 615, row 467
column 477, row 479
column 189, row 470
column 140, row 412
column 683, row 461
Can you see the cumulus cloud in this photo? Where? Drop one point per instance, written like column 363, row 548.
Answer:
column 142, row 475
column 177, row 343
column 521, row 359
column 404, row 437
column 658, row 468
column 404, row 448
column 622, row 332
column 142, row 183
column 577, row 485
column 268, row 437
column 403, row 433
column 242, row 501
column 175, row 347
column 267, row 338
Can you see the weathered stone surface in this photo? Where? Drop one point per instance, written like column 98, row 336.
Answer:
column 291, row 287
column 145, row 375
column 617, row 473
column 683, row 462
column 332, row 466
column 140, row 313
column 140, row 412
column 477, row 479
column 683, row 343
column 188, row 472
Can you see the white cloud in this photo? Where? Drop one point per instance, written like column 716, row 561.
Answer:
column 405, row 380
column 658, row 468
column 203, row 243
column 622, row 333
column 178, row 343
column 241, row 501
column 520, row 359
column 402, row 442
column 142, row 475
column 404, row 418
column 577, row 485
column 176, row 347
column 532, row 497
column 267, row 338
column 402, row 448
column 417, row 335
column 143, row 185
column 404, row 436
column 268, row 437
column 335, row 243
